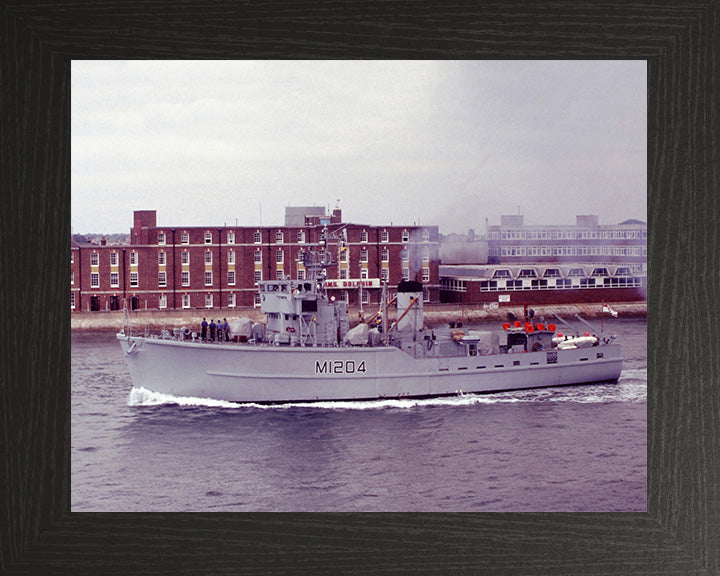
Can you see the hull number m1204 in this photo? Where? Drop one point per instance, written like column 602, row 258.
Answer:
column 340, row 367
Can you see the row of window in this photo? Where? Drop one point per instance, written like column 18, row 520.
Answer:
column 258, row 276
column 279, row 257
column 568, row 235
column 572, row 251
column 576, row 272
column 280, row 237
column 541, row 284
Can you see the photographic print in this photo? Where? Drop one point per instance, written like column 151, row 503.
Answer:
column 359, row 286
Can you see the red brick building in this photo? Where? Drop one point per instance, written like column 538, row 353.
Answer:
column 219, row 267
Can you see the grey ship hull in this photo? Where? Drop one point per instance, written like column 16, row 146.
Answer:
column 274, row 374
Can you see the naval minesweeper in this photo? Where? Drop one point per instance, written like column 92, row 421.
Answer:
column 306, row 351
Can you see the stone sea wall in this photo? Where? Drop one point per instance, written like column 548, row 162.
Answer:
column 435, row 314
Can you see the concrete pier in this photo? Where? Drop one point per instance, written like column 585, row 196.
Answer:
column 435, row 314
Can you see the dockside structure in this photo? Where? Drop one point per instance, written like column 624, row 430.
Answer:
column 552, row 264
column 218, row 267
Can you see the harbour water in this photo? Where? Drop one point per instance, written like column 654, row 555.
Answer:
column 576, row 448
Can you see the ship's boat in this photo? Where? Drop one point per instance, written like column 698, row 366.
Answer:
column 306, row 351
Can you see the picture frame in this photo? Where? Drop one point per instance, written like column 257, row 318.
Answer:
column 680, row 532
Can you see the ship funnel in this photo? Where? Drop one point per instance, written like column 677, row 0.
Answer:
column 409, row 306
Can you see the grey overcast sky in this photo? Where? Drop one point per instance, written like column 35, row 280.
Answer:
column 447, row 143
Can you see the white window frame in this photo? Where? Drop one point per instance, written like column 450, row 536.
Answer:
column 231, row 300
column 185, row 257
column 162, row 258
column 162, row 279
column 185, row 238
column 405, row 236
column 231, row 257
column 231, row 237
column 384, row 236
column 208, row 300
column 114, row 279
column 208, row 256
column 94, row 259
column 231, row 277
column 134, row 279
column 279, row 237
column 162, row 301
column 363, row 236
column 257, row 237
column 258, row 256
column 185, row 278
column 113, row 258
column 161, row 238
column 72, row 300
column 94, row 280
column 257, row 276
column 186, row 300
column 208, row 237
column 208, row 278
column 133, row 258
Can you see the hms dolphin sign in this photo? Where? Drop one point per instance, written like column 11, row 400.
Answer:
column 353, row 283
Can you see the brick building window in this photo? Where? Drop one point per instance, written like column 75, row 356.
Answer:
column 113, row 258
column 257, row 237
column 72, row 277
column 162, row 302
column 426, row 274
column 301, row 274
column 94, row 280
column 231, row 257
column 186, row 300
column 384, row 236
column 385, row 255
column 161, row 258
column 208, row 278
column 133, row 258
column 162, row 279
column 343, row 273
column 114, row 279
column 384, row 274
column 185, row 257
column 279, row 237
column 404, row 255
column 185, row 239
column 363, row 255
column 363, row 274
column 208, row 257
column 231, row 237
column 161, row 237
column 279, row 256
column 257, row 276
column 94, row 259
column 426, row 235
column 279, row 274
column 185, row 278
column 301, row 236
column 208, row 300
column 406, row 273
column 258, row 256
column 405, row 236
column 231, row 300
column 363, row 236
column 72, row 300
column 208, row 237
column 133, row 279
column 231, row 278
column 256, row 300
column 72, row 257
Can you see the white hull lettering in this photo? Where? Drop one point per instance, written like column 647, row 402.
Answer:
column 340, row 367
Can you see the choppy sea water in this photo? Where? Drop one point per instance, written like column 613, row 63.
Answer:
column 577, row 448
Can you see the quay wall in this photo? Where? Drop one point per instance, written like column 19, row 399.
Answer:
column 435, row 314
